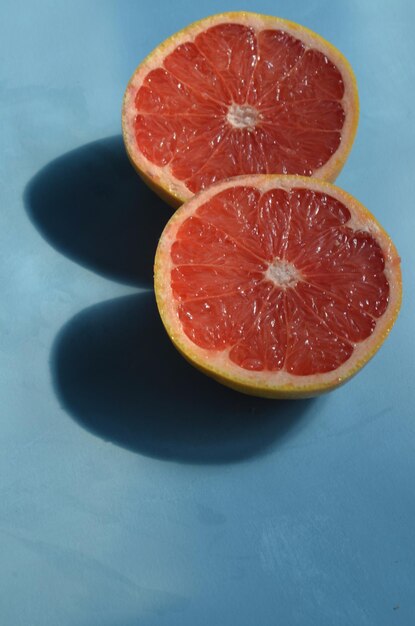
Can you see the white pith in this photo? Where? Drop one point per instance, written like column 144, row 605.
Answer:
column 242, row 116
column 283, row 273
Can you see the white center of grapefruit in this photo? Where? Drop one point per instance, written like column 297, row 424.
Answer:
column 242, row 116
column 283, row 273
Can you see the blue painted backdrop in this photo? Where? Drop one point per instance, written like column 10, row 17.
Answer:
column 133, row 490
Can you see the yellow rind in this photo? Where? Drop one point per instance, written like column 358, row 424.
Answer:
column 334, row 166
column 290, row 391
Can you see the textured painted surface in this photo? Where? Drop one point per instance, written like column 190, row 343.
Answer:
column 134, row 490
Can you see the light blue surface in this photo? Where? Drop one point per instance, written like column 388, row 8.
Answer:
column 133, row 490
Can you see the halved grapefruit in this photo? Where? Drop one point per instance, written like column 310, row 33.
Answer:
column 278, row 286
column 239, row 93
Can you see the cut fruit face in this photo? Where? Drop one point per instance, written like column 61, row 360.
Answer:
column 239, row 93
column 282, row 286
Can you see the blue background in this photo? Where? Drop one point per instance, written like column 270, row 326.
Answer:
column 134, row 490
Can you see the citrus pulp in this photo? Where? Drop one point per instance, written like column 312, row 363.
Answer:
column 281, row 286
column 239, row 93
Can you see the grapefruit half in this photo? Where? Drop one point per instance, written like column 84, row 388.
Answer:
column 239, row 93
column 278, row 286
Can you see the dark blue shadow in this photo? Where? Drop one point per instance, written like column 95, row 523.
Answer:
column 92, row 206
column 116, row 372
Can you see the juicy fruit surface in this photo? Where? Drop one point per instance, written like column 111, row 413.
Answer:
column 278, row 280
column 236, row 101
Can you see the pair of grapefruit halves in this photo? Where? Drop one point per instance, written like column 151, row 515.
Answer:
column 268, row 278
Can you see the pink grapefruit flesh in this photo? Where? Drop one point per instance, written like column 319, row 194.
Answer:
column 236, row 94
column 282, row 286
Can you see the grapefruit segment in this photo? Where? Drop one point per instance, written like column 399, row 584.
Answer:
column 234, row 94
column 231, row 50
column 278, row 54
column 283, row 286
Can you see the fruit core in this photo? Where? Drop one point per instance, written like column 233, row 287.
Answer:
column 242, row 116
column 283, row 273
